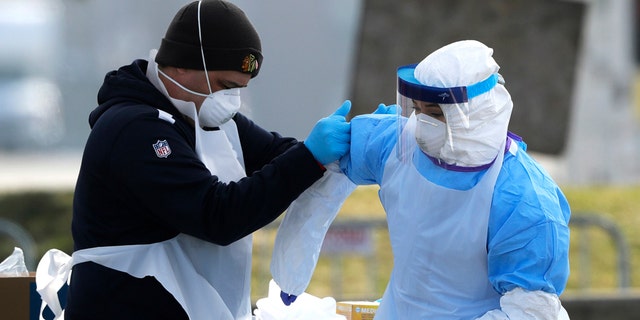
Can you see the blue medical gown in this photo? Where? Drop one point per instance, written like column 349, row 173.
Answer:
column 528, row 236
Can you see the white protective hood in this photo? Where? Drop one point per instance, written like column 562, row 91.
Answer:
column 475, row 129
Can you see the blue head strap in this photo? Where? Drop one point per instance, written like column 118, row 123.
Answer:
column 409, row 87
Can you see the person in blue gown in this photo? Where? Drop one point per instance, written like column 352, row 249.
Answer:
column 479, row 229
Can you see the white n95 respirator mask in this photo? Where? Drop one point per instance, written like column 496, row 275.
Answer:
column 217, row 108
column 430, row 134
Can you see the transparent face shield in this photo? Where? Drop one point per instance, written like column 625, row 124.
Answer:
column 414, row 125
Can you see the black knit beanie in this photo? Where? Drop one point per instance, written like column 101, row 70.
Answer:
column 229, row 39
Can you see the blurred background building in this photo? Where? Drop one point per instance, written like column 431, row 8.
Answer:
column 571, row 66
column 30, row 95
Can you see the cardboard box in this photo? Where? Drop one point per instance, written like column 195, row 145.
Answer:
column 19, row 299
column 357, row 310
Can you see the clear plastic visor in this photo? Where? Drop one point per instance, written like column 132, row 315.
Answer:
column 410, row 90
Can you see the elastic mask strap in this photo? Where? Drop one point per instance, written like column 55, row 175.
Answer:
column 204, row 63
column 181, row 86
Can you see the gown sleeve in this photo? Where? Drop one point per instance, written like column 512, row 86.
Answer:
column 302, row 231
column 528, row 245
column 373, row 137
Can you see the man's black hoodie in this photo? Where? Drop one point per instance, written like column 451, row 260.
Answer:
column 127, row 192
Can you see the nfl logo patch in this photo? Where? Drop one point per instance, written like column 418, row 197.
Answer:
column 162, row 149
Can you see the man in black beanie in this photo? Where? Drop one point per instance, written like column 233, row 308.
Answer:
column 229, row 41
column 174, row 180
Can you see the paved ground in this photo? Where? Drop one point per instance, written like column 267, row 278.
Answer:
column 38, row 171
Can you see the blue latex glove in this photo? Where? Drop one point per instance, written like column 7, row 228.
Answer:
column 287, row 298
column 330, row 138
column 382, row 109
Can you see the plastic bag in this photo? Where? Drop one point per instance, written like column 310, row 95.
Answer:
column 302, row 231
column 306, row 307
column 52, row 273
column 14, row 266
